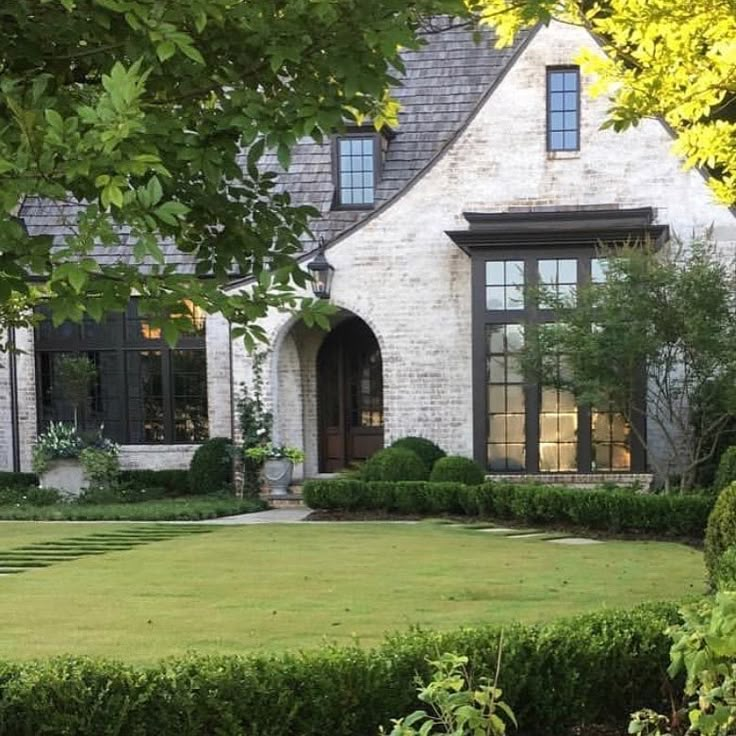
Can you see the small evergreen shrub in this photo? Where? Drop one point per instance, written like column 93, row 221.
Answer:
column 456, row 469
column 394, row 464
column 428, row 452
column 211, row 469
column 726, row 473
column 18, row 480
column 725, row 572
column 721, row 531
column 175, row 482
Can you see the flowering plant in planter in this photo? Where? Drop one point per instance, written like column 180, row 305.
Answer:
column 269, row 451
column 58, row 441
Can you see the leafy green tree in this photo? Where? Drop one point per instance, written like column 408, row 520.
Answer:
column 154, row 116
column 672, row 59
column 76, row 375
column 655, row 340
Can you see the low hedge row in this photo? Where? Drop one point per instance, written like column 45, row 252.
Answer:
column 17, row 480
column 175, row 482
column 591, row 669
column 606, row 510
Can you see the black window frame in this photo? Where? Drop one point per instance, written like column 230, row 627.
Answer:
column 531, row 236
column 362, row 133
column 550, row 71
column 120, row 340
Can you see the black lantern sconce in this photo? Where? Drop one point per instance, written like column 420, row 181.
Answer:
column 321, row 272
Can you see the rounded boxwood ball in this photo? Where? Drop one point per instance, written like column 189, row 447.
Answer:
column 394, row 464
column 720, row 533
column 428, row 452
column 211, row 468
column 456, row 469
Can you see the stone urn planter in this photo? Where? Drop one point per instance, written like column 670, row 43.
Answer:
column 277, row 472
column 66, row 474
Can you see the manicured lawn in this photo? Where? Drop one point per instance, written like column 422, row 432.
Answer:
column 276, row 587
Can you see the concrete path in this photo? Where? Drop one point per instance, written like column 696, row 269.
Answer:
column 272, row 516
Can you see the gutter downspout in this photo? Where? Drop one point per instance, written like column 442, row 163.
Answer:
column 14, row 416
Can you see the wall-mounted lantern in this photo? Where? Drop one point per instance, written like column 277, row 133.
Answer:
column 321, row 272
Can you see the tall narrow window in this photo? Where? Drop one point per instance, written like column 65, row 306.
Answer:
column 356, row 171
column 563, row 109
column 611, row 441
column 558, row 428
column 560, row 275
column 506, row 404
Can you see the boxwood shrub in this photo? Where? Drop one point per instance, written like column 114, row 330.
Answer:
column 428, row 452
column 605, row 510
column 456, row 469
column 176, row 482
column 721, row 532
column 726, row 473
column 591, row 669
column 394, row 464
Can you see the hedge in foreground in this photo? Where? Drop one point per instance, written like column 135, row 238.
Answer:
column 721, row 532
column 594, row 668
column 191, row 508
column 17, row 480
column 606, row 510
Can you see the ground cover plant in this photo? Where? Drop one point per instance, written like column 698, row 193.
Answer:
column 269, row 588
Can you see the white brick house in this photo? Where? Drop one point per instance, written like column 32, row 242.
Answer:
column 498, row 170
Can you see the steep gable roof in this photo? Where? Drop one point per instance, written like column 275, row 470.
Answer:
column 443, row 85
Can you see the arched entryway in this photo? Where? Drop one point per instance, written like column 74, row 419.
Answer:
column 349, row 396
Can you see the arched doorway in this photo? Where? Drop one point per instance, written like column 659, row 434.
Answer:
column 350, row 396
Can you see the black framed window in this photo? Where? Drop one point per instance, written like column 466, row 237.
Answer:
column 144, row 392
column 505, row 285
column 560, row 275
column 356, row 171
column 611, row 435
column 563, row 109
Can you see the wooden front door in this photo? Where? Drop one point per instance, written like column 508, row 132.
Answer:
column 350, row 396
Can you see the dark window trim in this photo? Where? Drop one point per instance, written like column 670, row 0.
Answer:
column 482, row 318
column 548, row 129
column 120, row 342
column 352, row 133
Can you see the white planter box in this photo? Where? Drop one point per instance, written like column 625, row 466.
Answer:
column 66, row 474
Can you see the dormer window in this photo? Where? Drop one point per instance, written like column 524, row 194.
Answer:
column 356, row 159
column 563, row 109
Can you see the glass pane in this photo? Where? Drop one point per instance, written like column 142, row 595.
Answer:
column 497, row 457
column 571, row 141
column 556, row 81
column 601, row 457
column 497, row 369
column 571, row 101
column 568, row 458
column 514, row 273
column 514, row 338
column 619, row 428
column 547, row 457
column 621, row 457
column 514, row 297
column 567, row 270
column 566, row 401
column 514, row 371
column 556, row 141
column 495, row 273
column 601, row 427
column 515, row 399
column 368, row 148
column 548, row 429
column 568, row 424
column 496, row 399
column 571, row 120
column 549, row 400
column 497, row 428
column 495, row 297
column 516, row 457
column 547, row 271
column 598, row 270
column 557, row 120
column 571, row 80
column 515, row 428
column 496, row 342
column 145, row 396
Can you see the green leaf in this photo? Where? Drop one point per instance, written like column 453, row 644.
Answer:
column 165, row 50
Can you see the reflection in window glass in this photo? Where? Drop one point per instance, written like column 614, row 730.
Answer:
column 599, row 270
column 611, row 441
column 506, row 403
column 558, row 429
column 560, row 276
column 356, row 170
column 190, row 395
column 504, row 285
column 145, row 396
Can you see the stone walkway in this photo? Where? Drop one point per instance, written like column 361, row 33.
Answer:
column 272, row 516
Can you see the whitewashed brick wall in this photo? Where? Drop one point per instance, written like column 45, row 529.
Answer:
column 401, row 274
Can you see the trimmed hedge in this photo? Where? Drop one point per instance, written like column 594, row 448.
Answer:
column 595, row 668
column 394, row 464
column 17, row 480
column 606, row 510
column 721, row 532
column 428, row 452
column 456, row 469
column 176, row 482
column 726, row 473
column 29, row 496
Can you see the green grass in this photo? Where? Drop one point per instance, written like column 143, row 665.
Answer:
column 186, row 508
column 276, row 587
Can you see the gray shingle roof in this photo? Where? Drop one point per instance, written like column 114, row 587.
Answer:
column 444, row 83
